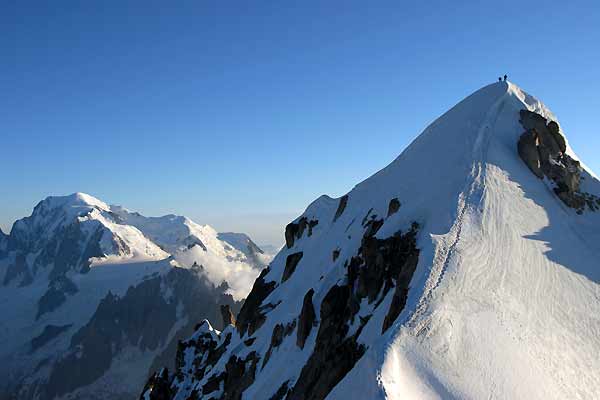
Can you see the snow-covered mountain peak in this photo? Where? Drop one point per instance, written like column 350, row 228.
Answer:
column 428, row 279
column 82, row 284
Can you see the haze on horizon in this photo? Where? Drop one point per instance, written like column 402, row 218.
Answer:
column 241, row 115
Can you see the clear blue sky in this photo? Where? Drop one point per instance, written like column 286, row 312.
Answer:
column 239, row 115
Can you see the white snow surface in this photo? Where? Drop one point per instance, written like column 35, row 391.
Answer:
column 189, row 243
column 505, row 300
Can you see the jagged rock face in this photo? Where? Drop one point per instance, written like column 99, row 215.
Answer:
column 543, row 148
column 49, row 333
column 380, row 266
column 334, row 354
column 341, row 207
column 227, row 315
column 280, row 331
column 3, row 244
column 58, row 290
column 142, row 318
column 295, row 230
column 290, row 265
column 68, row 250
column 252, row 314
column 394, row 206
column 306, row 319
column 158, row 386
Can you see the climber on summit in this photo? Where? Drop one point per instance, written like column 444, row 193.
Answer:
column 505, row 77
column 499, row 79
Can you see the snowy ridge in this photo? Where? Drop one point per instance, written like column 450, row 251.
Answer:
column 503, row 302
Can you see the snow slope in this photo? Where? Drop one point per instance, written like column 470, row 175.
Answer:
column 79, row 275
column 503, row 303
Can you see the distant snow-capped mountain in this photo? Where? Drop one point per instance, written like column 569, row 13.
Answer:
column 93, row 296
column 465, row 269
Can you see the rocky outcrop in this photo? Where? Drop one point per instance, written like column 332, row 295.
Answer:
column 58, row 290
column 335, row 254
column 281, row 392
column 306, row 319
column 227, row 315
column 290, row 265
column 394, row 206
column 543, row 148
column 143, row 318
column 295, row 230
column 280, row 331
column 334, row 353
column 238, row 376
column 18, row 268
column 50, row 332
column 158, row 386
column 3, row 244
column 252, row 314
column 381, row 265
column 341, row 207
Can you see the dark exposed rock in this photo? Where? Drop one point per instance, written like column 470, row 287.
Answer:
column 306, row 319
column 213, row 384
column 389, row 263
column 204, row 344
column 143, row 317
column 394, row 206
column 373, row 226
column 366, row 217
column 199, row 303
column 3, row 244
column 542, row 147
column 334, row 354
column 18, row 268
column 193, row 241
column 251, row 316
column 381, row 261
column 341, row 207
column 69, row 254
column 227, row 315
column 295, row 230
column 311, row 224
column 380, row 265
column 214, row 355
column 335, row 254
column 290, row 265
column 281, row 392
column 58, row 290
column 238, row 376
column 527, row 148
column 279, row 332
column 158, row 387
column 50, row 332
column 401, row 292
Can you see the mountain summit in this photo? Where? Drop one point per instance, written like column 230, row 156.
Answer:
column 94, row 296
column 464, row 269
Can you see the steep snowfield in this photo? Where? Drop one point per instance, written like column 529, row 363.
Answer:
column 504, row 302
column 73, row 270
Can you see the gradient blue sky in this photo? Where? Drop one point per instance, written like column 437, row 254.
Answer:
column 240, row 114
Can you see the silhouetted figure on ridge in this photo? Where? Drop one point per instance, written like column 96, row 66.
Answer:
column 505, row 77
